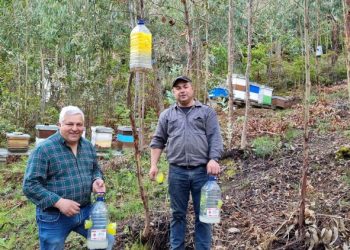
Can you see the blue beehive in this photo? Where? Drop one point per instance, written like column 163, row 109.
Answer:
column 218, row 92
column 125, row 137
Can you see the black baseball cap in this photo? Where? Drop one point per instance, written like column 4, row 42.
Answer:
column 181, row 79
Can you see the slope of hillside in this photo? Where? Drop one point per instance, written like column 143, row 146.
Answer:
column 261, row 195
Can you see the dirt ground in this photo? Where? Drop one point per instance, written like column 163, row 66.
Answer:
column 262, row 196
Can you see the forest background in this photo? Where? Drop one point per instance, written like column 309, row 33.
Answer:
column 55, row 53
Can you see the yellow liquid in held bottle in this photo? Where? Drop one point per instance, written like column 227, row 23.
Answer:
column 140, row 48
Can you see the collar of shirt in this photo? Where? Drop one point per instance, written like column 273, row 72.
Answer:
column 196, row 104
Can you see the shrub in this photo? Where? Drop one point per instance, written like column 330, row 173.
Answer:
column 265, row 146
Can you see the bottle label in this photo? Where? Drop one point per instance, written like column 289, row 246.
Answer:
column 213, row 212
column 98, row 234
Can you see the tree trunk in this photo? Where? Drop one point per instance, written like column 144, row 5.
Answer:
column 188, row 40
column 306, row 120
column 143, row 194
column 318, row 6
column 249, row 59
column 346, row 12
column 205, row 97
column 335, row 40
column 230, row 69
column 43, row 87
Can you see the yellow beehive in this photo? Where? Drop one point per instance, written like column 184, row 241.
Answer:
column 17, row 142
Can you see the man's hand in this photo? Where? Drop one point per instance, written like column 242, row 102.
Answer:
column 153, row 172
column 68, row 207
column 98, row 186
column 213, row 167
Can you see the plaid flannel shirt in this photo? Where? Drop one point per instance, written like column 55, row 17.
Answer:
column 54, row 172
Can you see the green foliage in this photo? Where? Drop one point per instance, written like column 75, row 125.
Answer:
column 265, row 146
column 169, row 97
column 346, row 177
column 6, row 127
column 292, row 134
column 137, row 246
column 122, row 113
column 322, row 126
column 343, row 153
column 218, row 59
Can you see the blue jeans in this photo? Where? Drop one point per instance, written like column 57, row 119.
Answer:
column 182, row 182
column 54, row 227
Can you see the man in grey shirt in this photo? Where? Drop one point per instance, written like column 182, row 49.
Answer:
column 191, row 134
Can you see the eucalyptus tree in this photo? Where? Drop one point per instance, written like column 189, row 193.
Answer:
column 247, row 104
column 346, row 10
column 230, row 67
column 306, row 119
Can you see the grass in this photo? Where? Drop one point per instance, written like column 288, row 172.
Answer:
column 292, row 134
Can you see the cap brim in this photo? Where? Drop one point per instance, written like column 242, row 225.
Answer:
column 181, row 79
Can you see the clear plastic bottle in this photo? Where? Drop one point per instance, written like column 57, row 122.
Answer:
column 210, row 204
column 140, row 47
column 97, row 233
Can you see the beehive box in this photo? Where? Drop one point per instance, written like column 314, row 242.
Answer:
column 265, row 95
column 239, row 88
column 17, row 142
column 101, row 137
column 284, row 102
column 3, row 156
column 44, row 131
column 125, row 138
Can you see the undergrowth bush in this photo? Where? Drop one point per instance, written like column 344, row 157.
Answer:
column 265, row 146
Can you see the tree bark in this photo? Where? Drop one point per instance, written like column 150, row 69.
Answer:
column 230, row 69
column 306, row 120
column 205, row 97
column 346, row 13
column 188, row 40
column 249, row 59
column 137, row 153
column 43, row 88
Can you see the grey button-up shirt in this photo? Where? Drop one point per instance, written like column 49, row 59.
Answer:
column 190, row 139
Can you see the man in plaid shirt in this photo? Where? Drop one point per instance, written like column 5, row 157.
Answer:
column 61, row 174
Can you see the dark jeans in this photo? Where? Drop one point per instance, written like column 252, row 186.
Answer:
column 54, row 227
column 182, row 182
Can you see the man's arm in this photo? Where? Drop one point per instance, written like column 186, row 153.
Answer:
column 157, row 145
column 34, row 178
column 215, row 143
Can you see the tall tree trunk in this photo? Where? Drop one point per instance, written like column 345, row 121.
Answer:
column 318, row 6
column 306, row 119
column 230, row 69
column 346, row 11
column 249, row 59
column 19, row 84
column 335, row 40
column 143, row 194
column 205, row 97
column 43, row 87
column 189, row 38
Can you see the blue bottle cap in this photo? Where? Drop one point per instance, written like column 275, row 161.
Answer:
column 100, row 198
column 141, row 21
column 212, row 178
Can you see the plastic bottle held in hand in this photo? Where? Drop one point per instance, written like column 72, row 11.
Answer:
column 210, row 204
column 140, row 47
column 97, row 233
